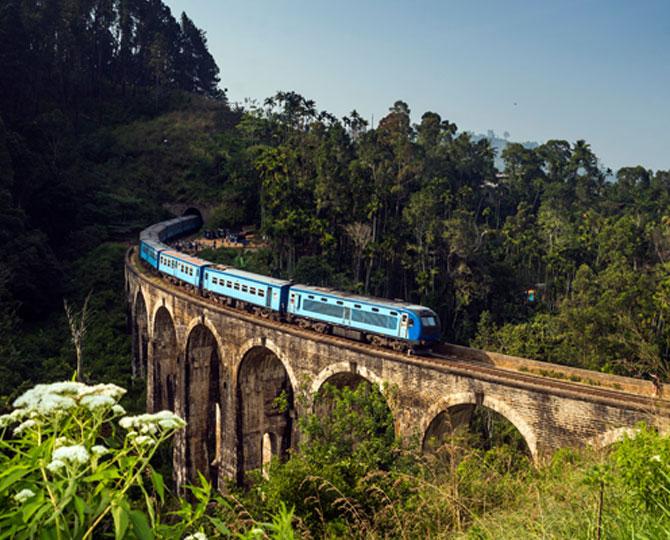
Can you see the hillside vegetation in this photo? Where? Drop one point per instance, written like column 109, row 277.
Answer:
column 112, row 111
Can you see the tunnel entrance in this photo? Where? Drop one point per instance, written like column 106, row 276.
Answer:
column 140, row 337
column 265, row 410
column 194, row 212
column 473, row 425
column 164, row 361
column 202, row 405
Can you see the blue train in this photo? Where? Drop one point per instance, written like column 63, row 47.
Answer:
column 398, row 325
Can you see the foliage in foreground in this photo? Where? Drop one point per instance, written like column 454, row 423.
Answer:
column 73, row 466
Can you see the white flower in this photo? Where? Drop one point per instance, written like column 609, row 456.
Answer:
column 118, row 410
column 196, row 536
column 75, row 454
column 106, row 390
column 95, row 402
column 60, row 441
column 23, row 495
column 50, row 399
column 56, row 465
column 144, row 440
column 655, row 458
column 13, row 417
column 99, row 450
column 152, row 423
column 25, row 425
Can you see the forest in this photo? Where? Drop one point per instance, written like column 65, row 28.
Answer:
column 111, row 111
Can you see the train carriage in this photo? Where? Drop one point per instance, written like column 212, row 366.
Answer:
column 263, row 291
column 150, row 251
column 394, row 320
column 183, row 267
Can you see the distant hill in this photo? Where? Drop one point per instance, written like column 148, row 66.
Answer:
column 499, row 144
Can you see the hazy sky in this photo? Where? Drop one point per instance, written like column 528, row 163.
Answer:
column 594, row 70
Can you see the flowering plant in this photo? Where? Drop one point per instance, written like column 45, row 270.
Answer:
column 68, row 458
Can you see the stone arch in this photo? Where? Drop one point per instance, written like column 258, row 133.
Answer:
column 265, row 407
column 204, row 321
column 161, row 305
column 343, row 374
column 345, row 367
column 164, row 361
column 202, row 405
column 461, row 402
column 140, row 335
column 272, row 347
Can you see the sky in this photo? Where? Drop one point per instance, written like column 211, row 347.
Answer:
column 560, row 69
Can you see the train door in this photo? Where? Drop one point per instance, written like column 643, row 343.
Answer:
column 268, row 296
column 346, row 319
column 404, row 325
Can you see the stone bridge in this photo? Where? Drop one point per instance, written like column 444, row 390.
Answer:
column 223, row 370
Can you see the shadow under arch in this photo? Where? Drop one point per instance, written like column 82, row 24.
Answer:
column 164, row 361
column 265, row 409
column 451, row 413
column 140, row 335
column 342, row 370
column 202, row 404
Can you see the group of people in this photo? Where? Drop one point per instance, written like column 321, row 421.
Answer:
column 213, row 239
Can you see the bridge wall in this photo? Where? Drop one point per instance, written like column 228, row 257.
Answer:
column 235, row 378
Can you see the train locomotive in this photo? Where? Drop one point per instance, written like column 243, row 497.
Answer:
column 395, row 324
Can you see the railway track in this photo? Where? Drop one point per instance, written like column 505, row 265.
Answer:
column 457, row 364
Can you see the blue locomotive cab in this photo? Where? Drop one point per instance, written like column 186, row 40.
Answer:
column 393, row 319
column 424, row 325
column 263, row 291
column 182, row 267
column 150, row 251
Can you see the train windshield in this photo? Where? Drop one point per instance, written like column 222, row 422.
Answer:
column 429, row 320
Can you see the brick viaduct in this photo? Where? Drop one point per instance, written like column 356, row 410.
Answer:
column 222, row 370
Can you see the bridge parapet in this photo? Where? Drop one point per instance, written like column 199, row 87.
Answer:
column 637, row 387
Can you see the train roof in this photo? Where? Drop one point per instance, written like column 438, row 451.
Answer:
column 249, row 275
column 154, row 244
column 360, row 298
column 186, row 258
column 154, row 231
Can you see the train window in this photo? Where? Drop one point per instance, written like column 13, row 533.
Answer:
column 411, row 323
column 229, row 284
column 252, row 290
column 376, row 310
column 429, row 320
column 310, row 296
column 324, row 299
column 236, row 286
column 357, row 306
column 340, row 303
column 245, row 288
column 261, row 293
column 394, row 313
